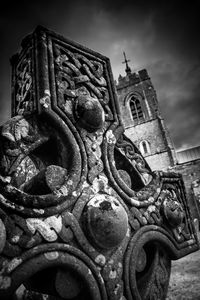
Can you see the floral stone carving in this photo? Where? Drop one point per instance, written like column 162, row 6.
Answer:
column 82, row 216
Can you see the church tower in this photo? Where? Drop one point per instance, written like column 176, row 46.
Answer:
column 143, row 122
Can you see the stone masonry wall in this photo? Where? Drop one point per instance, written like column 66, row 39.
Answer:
column 144, row 90
column 159, row 161
column 151, row 132
column 152, row 129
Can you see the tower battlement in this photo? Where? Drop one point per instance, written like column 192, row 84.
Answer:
column 132, row 78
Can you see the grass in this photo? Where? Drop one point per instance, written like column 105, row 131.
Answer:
column 185, row 278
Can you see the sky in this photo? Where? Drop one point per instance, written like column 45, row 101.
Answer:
column 161, row 36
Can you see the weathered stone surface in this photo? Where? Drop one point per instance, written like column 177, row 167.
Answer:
column 106, row 221
column 82, row 216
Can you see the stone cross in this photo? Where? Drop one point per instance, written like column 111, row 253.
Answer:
column 128, row 69
column 82, row 216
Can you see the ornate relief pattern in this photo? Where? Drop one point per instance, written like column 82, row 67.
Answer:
column 23, row 85
column 78, row 77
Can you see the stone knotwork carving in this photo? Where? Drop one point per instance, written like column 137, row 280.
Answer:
column 82, row 216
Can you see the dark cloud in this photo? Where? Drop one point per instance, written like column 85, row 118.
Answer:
column 177, row 86
column 161, row 36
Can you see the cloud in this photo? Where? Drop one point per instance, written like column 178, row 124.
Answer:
column 177, row 85
column 161, row 36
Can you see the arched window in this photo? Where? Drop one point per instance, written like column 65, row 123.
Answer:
column 136, row 110
column 145, row 148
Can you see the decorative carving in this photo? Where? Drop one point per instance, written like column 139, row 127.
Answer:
column 172, row 209
column 157, row 289
column 106, row 221
column 82, row 80
column 79, row 206
column 23, row 85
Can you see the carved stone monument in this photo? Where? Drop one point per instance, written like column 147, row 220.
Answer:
column 82, row 216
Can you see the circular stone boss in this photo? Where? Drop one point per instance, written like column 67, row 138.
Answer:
column 106, row 221
column 89, row 113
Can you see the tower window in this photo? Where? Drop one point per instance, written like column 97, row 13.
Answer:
column 136, row 110
column 145, row 148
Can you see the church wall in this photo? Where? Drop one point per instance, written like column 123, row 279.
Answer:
column 144, row 90
column 159, row 161
column 151, row 131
